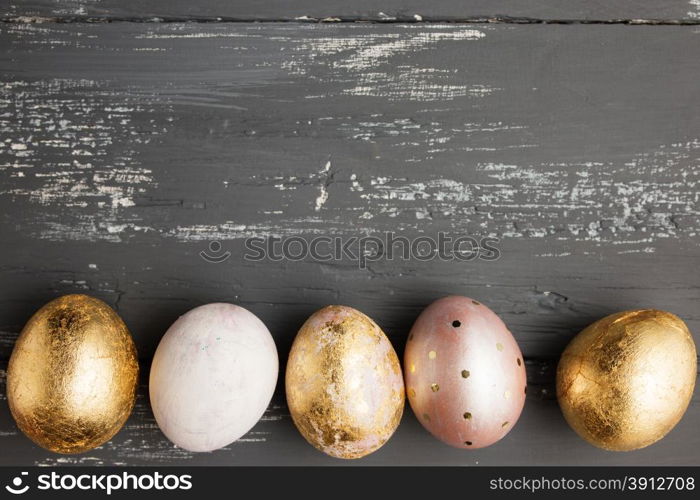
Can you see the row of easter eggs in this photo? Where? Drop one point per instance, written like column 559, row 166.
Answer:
column 622, row 383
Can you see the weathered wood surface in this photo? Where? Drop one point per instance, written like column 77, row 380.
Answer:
column 126, row 148
column 336, row 10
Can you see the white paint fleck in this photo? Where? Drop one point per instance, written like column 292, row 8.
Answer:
column 323, row 186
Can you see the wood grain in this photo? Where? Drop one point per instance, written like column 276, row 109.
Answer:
column 335, row 10
column 126, row 148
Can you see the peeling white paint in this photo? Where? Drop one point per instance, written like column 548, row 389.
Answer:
column 376, row 54
column 78, row 163
column 323, row 186
column 213, row 34
column 376, row 64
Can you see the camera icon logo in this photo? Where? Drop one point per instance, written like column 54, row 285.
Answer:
column 16, row 488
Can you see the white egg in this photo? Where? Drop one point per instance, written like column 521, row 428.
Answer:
column 212, row 376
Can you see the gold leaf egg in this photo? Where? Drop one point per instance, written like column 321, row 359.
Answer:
column 72, row 376
column 344, row 383
column 626, row 380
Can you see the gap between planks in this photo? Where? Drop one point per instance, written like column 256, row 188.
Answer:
column 411, row 19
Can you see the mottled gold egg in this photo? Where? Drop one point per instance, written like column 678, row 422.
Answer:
column 344, row 383
column 72, row 377
column 626, row 380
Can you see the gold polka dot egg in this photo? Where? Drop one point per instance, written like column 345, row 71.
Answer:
column 464, row 372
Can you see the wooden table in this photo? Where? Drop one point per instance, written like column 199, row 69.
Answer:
column 132, row 140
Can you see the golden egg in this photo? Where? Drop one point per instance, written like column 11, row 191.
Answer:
column 344, row 384
column 72, row 377
column 626, row 380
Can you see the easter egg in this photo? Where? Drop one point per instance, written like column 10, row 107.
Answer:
column 212, row 377
column 72, row 376
column 344, row 385
column 465, row 375
column 626, row 380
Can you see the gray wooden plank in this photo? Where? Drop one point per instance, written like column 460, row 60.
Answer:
column 541, row 437
column 387, row 10
column 125, row 149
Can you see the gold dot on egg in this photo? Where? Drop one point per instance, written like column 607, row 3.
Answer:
column 412, row 392
column 499, row 346
column 476, row 303
column 426, row 416
column 504, row 423
column 506, row 394
column 467, row 415
column 468, row 443
column 413, row 368
column 435, row 387
column 465, row 374
column 519, row 362
column 432, row 355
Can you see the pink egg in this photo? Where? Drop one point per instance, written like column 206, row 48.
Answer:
column 465, row 375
